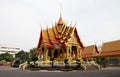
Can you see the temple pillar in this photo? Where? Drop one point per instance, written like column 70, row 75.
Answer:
column 67, row 52
column 46, row 54
column 78, row 53
column 62, row 53
column 70, row 53
column 58, row 54
column 39, row 56
column 43, row 55
column 53, row 53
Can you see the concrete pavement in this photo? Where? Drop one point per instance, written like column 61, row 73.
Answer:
column 15, row 72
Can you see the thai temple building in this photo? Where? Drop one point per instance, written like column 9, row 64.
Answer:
column 60, row 42
column 89, row 53
column 111, row 53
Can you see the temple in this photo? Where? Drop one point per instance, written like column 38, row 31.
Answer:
column 111, row 53
column 89, row 53
column 60, row 42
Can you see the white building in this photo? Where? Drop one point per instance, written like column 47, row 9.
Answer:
column 10, row 50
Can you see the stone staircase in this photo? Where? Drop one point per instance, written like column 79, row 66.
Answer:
column 90, row 66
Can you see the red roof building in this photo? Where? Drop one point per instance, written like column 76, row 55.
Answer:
column 90, row 52
column 110, row 49
column 60, row 42
column 111, row 53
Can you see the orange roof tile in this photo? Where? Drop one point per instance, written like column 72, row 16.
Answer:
column 45, row 34
column 51, row 33
column 89, row 51
column 111, row 53
column 111, row 48
column 57, row 35
column 55, row 31
column 52, row 36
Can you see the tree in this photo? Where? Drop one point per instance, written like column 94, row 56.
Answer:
column 98, row 60
column 23, row 56
column 27, row 56
column 6, row 56
column 32, row 55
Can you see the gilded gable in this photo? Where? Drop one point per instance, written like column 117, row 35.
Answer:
column 73, row 40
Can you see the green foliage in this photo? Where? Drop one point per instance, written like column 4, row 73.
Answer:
column 98, row 60
column 32, row 55
column 101, row 61
column 23, row 56
column 66, row 61
column 6, row 56
column 51, row 58
column 27, row 56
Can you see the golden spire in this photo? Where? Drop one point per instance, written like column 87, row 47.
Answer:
column 60, row 10
column 60, row 21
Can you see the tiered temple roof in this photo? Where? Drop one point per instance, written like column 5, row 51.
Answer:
column 110, row 49
column 90, row 51
column 58, row 35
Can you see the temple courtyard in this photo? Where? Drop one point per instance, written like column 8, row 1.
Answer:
column 6, row 71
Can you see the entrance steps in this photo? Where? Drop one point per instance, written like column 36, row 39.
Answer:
column 90, row 66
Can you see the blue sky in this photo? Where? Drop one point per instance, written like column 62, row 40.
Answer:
column 97, row 20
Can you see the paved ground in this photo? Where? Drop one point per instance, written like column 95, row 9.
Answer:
column 14, row 72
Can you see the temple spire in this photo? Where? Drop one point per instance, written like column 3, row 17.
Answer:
column 60, row 21
column 60, row 10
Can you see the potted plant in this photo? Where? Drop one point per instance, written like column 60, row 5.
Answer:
column 66, row 63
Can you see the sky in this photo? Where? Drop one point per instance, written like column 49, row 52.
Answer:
column 98, row 21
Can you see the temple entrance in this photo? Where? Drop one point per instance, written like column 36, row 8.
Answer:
column 55, row 54
column 61, row 54
column 58, row 53
column 49, row 54
column 43, row 54
column 74, row 52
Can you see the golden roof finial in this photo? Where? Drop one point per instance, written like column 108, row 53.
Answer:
column 60, row 10
column 60, row 21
